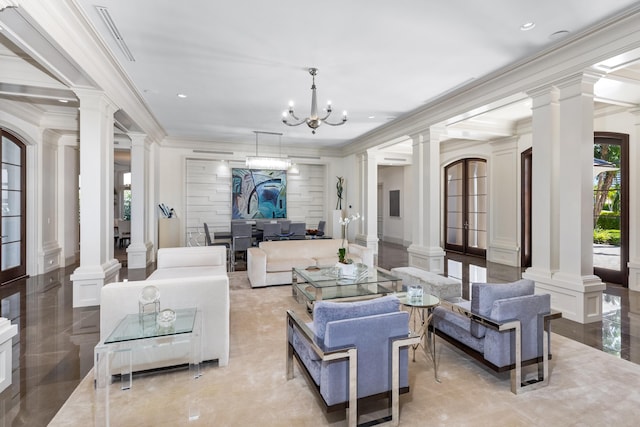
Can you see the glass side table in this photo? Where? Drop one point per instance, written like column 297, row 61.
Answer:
column 137, row 331
column 421, row 310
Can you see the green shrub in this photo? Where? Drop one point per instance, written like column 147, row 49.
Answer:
column 608, row 237
column 609, row 220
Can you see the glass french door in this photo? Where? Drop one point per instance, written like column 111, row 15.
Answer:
column 12, row 214
column 466, row 207
column 610, row 207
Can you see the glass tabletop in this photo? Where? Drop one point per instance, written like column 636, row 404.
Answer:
column 424, row 301
column 325, row 277
column 138, row 326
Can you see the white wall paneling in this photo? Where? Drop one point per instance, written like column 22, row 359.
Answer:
column 208, row 196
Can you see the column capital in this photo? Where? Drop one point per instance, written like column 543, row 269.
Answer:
column 431, row 134
column 95, row 99
column 543, row 96
column 138, row 139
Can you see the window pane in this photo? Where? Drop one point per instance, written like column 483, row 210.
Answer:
column 10, row 255
column 10, row 177
column 11, row 202
column 10, row 229
column 10, row 152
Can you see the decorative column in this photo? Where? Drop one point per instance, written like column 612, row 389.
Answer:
column 634, row 210
column 368, row 235
column 544, row 196
column 425, row 251
column 574, row 289
column 97, row 264
column 138, row 252
column 503, row 233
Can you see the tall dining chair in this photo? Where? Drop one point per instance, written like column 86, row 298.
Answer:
column 321, row 227
column 284, row 225
column 124, row 232
column 271, row 231
column 241, row 239
column 209, row 241
column 297, row 231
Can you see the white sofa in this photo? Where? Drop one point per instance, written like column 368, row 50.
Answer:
column 271, row 262
column 186, row 277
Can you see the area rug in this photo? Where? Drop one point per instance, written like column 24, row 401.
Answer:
column 587, row 387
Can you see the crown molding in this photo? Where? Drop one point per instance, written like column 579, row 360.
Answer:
column 574, row 54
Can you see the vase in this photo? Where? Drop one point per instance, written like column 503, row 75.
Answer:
column 347, row 271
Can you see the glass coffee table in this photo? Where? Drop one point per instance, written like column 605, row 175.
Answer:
column 322, row 283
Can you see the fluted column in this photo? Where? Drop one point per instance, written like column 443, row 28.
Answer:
column 425, row 250
column 138, row 251
column 97, row 263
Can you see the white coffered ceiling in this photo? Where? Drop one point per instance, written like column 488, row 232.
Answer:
column 240, row 63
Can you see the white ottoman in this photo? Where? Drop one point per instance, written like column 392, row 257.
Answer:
column 432, row 283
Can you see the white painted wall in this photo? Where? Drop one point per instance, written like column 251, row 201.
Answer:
column 393, row 178
column 69, row 221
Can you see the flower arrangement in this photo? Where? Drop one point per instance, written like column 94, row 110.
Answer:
column 342, row 252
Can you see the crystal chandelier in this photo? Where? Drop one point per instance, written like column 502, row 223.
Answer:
column 313, row 121
column 262, row 162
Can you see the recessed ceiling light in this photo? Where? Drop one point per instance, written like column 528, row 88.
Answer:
column 558, row 34
column 372, row 117
column 528, row 26
column 182, row 95
column 64, row 101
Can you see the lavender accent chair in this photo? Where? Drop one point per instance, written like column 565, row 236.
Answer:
column 353, row 351
column 505, row 326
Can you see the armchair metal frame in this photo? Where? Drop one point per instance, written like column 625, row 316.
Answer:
column 517, row 385
column 351, row 354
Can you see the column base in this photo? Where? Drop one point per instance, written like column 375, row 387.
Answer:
column 368, row 241
column 139, row 255
column 634, row 275
column 427, row 258
column 578, row 297
column 87, row 282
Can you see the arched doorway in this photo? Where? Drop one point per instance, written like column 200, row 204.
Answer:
column 466, row 207
column 13, row 213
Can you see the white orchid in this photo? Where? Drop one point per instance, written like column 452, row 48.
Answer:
column 346, row 220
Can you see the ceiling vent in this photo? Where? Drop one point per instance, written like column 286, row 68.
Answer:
column 115, row 33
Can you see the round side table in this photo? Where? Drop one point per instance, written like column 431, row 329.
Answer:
column 421, row 310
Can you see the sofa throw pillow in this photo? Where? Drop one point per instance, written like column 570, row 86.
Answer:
column 327, row 311
column 484, row 294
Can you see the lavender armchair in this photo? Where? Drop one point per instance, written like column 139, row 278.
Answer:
column 505, row 326
column 352, row 351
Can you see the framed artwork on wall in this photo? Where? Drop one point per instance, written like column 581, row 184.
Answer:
column 258, row 193
column 394, row 203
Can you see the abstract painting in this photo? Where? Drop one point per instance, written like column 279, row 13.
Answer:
column 259, row 193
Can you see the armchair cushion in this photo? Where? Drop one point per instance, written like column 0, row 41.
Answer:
column 528, row 309
column 327, row 311
column 483, row 296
